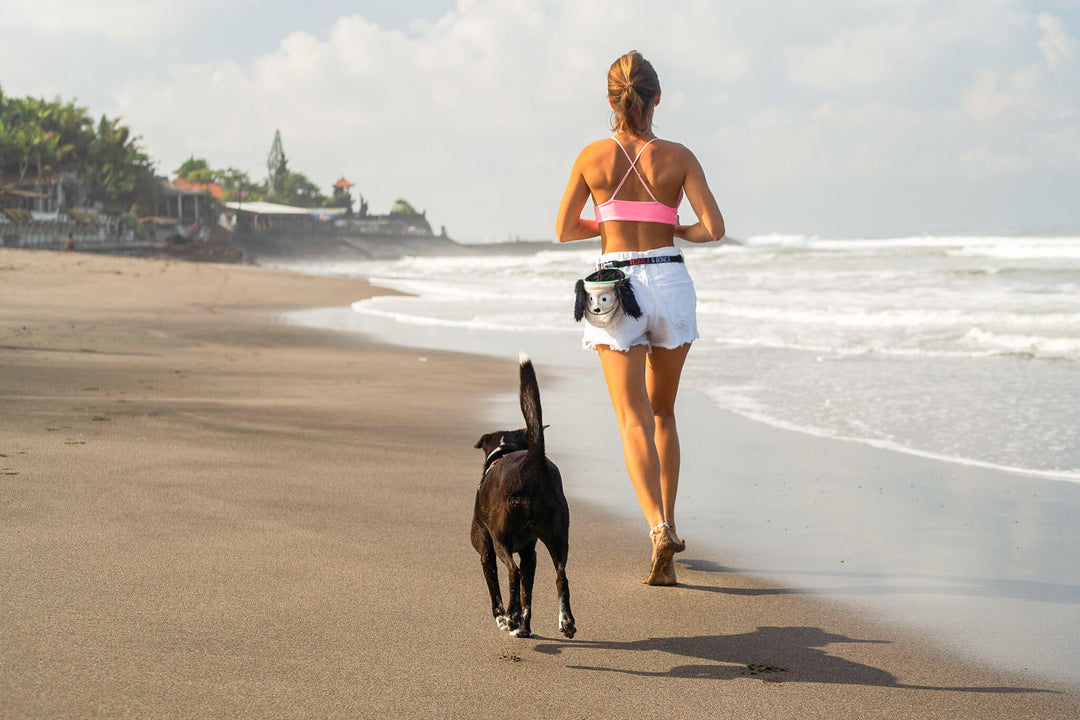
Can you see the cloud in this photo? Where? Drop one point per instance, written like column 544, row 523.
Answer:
column 476, row 110
column 985, row 99
column 442, row 113
column 863, row 56
column 116, row 20
column 981, row 161
column 1056, row 45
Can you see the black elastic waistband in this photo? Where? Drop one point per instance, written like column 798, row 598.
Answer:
column 640, row 261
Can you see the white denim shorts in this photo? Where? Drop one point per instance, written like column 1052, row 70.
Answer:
column 665, row 294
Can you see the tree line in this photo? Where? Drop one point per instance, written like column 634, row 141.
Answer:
column 41, row 139
column 281, row 185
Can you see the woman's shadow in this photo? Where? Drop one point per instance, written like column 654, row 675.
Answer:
column 776, row 654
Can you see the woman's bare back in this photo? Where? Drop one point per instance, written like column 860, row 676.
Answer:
column 670, row 170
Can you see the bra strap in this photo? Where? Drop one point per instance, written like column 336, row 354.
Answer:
column 633, row 166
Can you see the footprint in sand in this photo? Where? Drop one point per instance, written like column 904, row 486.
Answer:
column 9, row 471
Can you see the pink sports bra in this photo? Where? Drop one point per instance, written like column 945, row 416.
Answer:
column 634, row 210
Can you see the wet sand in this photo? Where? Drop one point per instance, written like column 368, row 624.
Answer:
column 208, row 513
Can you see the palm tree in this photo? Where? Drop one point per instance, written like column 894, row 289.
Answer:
column 22, row 141
column 61, row 137
column 47, row 150
column 6, row 142
column 76, row 131
column 117, row 172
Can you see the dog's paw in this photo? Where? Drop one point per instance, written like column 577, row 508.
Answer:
column 521, row 632
column 508, row 623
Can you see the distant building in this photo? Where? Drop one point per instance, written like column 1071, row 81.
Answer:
column 20, row 202
column 212, row 189
column 343, row 198
column 46, row 195
column 259, row 215
column 50, row 213
column 393, row 224
column 187, row 203
column 263, row 216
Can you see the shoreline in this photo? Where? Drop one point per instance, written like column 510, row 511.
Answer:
column 212, row 513
column 1050, row 476
column 939, row 547
column 940, row 550
column 338, row 319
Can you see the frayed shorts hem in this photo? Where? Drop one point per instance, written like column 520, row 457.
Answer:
column 591, row 345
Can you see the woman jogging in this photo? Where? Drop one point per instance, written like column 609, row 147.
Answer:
column 636, row 182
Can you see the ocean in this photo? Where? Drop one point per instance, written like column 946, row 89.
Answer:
column 892, row 424
column 960, row 348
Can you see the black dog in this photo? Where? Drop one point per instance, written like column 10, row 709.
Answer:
column 520, row 500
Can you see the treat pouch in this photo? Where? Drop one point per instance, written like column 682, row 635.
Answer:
column 603, row 297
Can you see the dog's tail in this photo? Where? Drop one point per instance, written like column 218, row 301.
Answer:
column 530, row 406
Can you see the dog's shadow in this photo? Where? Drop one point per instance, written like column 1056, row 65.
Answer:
column 776, row 654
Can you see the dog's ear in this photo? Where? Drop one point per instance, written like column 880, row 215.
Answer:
column 627, row 299
column 480, row 442
column 581, row 300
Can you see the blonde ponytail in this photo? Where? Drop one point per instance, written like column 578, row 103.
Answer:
column 632, row 89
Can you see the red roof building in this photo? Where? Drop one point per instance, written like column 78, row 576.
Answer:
column 213, row 189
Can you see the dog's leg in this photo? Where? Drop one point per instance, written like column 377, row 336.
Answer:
column 481, row 540
column 513, row 608
column 559, row 550
column 528, row 572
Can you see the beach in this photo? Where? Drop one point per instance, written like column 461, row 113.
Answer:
column 890, row 423
column 208, row 511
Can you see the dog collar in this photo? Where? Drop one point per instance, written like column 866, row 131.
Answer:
column 495, row 456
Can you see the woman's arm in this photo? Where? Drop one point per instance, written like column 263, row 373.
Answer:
column 710, row 224
column 569, row 225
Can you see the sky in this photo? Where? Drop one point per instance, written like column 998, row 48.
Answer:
column 835, row 118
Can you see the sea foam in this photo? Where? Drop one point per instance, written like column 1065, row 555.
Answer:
column 962, row 348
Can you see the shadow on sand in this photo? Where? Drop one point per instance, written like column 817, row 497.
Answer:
column 772, row 654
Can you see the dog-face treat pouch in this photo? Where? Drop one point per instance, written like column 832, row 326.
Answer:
column 604, row 297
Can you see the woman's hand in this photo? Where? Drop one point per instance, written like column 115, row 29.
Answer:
column 697, row 233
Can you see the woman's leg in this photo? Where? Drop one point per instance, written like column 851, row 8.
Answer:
column 642, row 391
column 663, row 370
column 625, row 373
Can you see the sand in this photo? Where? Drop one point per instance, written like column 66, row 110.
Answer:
column 208, row 513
